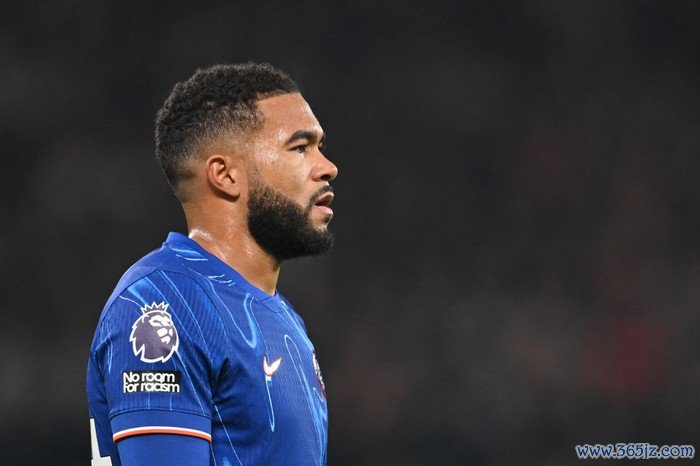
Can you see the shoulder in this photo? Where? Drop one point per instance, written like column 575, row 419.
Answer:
column 289, row 309
column 158, row 300
column 159, row 276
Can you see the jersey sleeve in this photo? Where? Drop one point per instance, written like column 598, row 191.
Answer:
column 157, row 353
column 163, row 450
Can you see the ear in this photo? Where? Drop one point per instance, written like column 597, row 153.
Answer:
column 224, row 175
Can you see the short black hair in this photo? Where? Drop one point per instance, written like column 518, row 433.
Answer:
column 210, row 104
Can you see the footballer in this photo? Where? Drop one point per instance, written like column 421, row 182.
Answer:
column 197, row 359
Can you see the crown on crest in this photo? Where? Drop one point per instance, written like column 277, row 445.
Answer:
column 155, row 307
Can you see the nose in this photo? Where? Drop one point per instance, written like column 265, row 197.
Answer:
column 325, row 170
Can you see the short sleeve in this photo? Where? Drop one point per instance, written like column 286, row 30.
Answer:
column 172, row 450
column 156, row 349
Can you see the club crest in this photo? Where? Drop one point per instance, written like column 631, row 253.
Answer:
column 319, row 377
column 154, row 336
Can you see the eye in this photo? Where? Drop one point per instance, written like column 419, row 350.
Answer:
column 300, row 149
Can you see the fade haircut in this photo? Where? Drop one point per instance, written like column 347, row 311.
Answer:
column 215, row 102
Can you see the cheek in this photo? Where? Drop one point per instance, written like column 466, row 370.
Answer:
column 288, row 176
column 285, row 171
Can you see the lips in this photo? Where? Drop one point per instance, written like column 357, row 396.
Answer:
column 324, row 200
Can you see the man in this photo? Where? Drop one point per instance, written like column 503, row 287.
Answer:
column 197, row 359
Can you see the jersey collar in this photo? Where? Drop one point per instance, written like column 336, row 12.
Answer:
column 189, row 249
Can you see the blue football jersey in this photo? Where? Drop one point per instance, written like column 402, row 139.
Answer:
column 185, row 345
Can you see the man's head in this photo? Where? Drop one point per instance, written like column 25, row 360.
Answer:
column 241, row 140
column 214, row 105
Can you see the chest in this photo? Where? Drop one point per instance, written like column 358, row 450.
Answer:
column 273, row 385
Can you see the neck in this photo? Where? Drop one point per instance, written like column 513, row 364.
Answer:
column 232, row 243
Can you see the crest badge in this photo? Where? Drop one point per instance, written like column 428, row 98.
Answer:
column 319, row 377
column 154, row 336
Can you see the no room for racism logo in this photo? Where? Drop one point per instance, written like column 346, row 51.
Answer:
column 151, row 381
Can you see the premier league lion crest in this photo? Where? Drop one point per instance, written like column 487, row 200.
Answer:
column 153, row 335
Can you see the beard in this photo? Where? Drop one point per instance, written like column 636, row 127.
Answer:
column 283, row 228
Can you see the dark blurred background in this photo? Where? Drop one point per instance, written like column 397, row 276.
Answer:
column 517, row 265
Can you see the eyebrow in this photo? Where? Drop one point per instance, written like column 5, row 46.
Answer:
column 306, row 134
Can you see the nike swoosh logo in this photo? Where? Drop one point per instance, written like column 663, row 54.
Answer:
column 270, row 369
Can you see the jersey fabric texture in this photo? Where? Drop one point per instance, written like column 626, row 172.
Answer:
column 186, row 346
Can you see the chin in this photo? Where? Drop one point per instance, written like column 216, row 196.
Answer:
column 322, row 226
column 321, row 222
